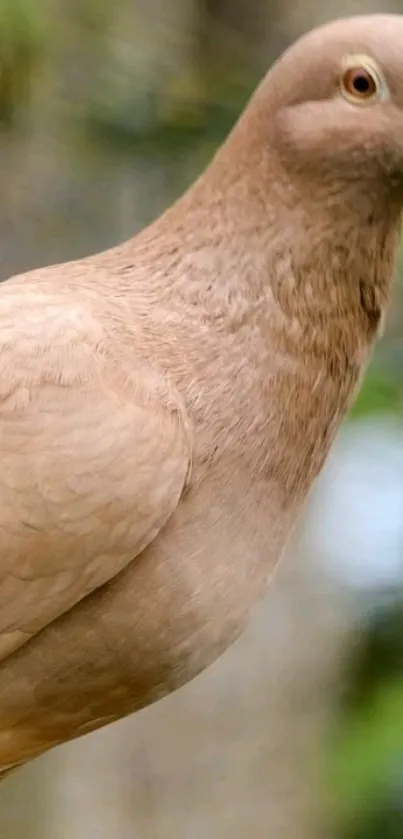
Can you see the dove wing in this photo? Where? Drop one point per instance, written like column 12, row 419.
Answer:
column 94, row 455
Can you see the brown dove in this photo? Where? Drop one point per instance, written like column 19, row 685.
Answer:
column 166, row 405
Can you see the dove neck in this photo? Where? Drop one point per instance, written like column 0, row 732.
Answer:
column 245, row 244
column 250, row 243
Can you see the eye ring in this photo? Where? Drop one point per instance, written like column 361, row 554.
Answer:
column 361, row 83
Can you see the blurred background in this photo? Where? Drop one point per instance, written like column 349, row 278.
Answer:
column 107, row 111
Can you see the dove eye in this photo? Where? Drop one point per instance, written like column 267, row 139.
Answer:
column 360, row 83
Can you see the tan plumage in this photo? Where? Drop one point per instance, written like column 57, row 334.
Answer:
column 166, row 405
column 78, row 421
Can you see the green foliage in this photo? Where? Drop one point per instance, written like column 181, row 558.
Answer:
column 22, row 47
column 368, row 748
column 381, row 392
column 159, row 106
column 366, row 753
column 158, row 123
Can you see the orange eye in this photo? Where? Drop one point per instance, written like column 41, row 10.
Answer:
column 360, row 84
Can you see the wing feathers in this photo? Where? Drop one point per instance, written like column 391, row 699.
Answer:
column 95, row 451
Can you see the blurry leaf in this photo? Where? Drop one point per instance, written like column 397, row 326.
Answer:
column 378, row 658
column 368, row 749
column 381, row 392
column 189, row 129
column 92, row 15
column 174, row 113
column 21, row 49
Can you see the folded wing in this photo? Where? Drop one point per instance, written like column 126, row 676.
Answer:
column 94, row 454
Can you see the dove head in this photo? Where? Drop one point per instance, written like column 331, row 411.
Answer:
column 312, row 175
column 305, row 197
column 334, row 108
